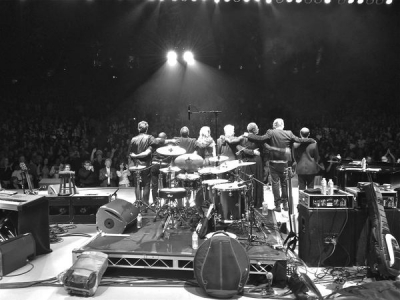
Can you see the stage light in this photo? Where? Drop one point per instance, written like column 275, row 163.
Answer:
column 341, row 1
column 268, row 1
column 327, row 1
column 298, row 1
column 351, row 1
column 317, row 1
column 227, row 0
column 246, row 0
column 360, row 1
column 172, row 58
column 188, row 57
column 289, row 1
column 389, row 1
column 369, row 2
column 216, row 1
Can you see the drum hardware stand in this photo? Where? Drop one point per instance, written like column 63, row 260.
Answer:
column 139, row 202
column 250, row 208
column 173, row 216
column 291, row 235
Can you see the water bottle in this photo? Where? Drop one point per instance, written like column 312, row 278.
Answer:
column 139, row 221
column 195, row 240
column 323, row 186
column 330, row 187
column 265, row 208
column 364, row 164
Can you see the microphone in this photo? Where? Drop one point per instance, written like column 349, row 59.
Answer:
column 189, row 112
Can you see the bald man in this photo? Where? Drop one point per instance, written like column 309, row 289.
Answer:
column 306, row 157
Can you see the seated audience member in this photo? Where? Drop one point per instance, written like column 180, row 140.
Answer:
column 123, row 174
column 86, row 175
column 108, row 175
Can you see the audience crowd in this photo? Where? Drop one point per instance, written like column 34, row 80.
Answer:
column 46, row 141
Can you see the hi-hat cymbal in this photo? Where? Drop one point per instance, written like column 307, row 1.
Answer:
column 239, row 163
column 220, row 158
column 171, row 150
column 170, row 169
column 189, row 162
column 136, row 168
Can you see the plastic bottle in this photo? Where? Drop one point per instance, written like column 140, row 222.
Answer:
column 195, row 240
column 323, row 186
column 330, row 187
column 265, row 208
column 139, row 221
column 364, row 164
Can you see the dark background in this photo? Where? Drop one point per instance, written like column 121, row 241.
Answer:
column 108, row 57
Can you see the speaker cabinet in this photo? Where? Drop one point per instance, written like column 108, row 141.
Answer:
column 326, row 237
column 29, row 217
column 116, row 216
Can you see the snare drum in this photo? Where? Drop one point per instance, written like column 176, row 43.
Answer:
column 208, row 187
column 206, row 173
column 228, row 201
column 189, row 181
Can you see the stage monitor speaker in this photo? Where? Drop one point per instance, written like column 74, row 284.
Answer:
column 116, row 216
column 326, row 237
column 15, row 252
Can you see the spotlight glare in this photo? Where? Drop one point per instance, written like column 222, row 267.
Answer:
column 389, row 1
column 216, row 1
column 289, row 1
column 246, row 0
column 360, row 1
column 188, row 57
column 351, row 1
column 268, row 1
column 327, row 1
column 298, row 1
column 172, row 58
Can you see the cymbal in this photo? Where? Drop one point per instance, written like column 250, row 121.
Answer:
column 206, row 170
column 239, row 163
column 171, row 150
column 223, row 168
column 136, row 168
column 170, row 169
column 189, row 162
column 220, row 158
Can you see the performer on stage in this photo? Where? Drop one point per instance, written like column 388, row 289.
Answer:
column 140, row 150
column 226, row 144
column 307, row 158
column 185, row 142
column 249, row 152
column 158, row 161
column 283, row 139
column 205, row 145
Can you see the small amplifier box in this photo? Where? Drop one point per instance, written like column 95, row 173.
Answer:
column 314, row 199
column 389, row 197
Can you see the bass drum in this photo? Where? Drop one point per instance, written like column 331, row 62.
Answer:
column 229, row 201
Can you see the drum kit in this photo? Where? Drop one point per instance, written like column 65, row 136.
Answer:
column 224, row 195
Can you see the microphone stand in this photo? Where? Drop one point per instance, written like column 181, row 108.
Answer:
column 291, row 235
column 215, row 112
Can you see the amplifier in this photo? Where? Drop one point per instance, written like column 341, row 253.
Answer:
column 76, row 209
column 314, row 199
column 389, row 197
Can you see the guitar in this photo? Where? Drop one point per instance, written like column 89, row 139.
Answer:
column 384, row 251
column 24, row 170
